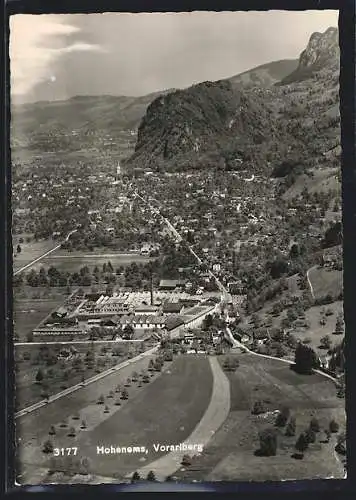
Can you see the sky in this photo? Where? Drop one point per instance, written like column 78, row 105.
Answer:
column 57, row 56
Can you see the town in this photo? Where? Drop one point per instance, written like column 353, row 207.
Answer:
column 181, row 247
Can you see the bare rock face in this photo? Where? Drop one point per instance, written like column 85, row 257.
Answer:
column 321, row 50
column 321, row 53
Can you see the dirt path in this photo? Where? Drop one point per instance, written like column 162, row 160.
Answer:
column 215, row 415
column 310, row 283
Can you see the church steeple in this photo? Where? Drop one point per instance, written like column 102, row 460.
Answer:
column 118, row 171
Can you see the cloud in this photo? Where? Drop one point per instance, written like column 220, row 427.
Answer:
column 135, row 54
column 78, row 47
column 32, row 58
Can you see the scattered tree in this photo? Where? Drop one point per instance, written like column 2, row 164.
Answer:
column 135, row 477
column 282, row 417
column 314, row 425
column 291, row 427
column 258, row 408
column 310, row 435
column 151, row 476
column 124, row 394
column 302, row 443
column 186, row 460
column 325, row 342
column 39, row 376
column 334, row 426
column 48, row 447
column 268, row 442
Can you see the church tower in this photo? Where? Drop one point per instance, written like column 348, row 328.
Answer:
column 118, row 171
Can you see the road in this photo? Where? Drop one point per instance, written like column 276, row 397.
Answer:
column 236, row 343
column 27, row 266
column 66, row 342
column 179, row 239
column 310, row 283
column 91, row 380
column 213, row 418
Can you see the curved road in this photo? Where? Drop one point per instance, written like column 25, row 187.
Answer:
column 214, row 417
column 236, row 343
column 27, row 266
column 310, row 283
column 76, row 387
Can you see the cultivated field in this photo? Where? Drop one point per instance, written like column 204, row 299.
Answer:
column 73, row 261
column 316, row 331
column 165, row 410
column 230, row 455
column 30, row 251
column 28, row 313
column 59, row 371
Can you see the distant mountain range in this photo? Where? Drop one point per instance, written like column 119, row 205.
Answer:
column 120, row 112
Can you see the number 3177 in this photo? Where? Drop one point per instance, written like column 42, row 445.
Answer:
column 65, row 451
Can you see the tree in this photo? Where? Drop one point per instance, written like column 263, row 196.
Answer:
column 47, row 447
column 83, row 425
column 268, row 442
column 52, row 430
column 310, row 435
column 39, row 376
column 339, row 327
column 84, row 466
column 282, row 417
column 291, row 427
column 101, row 400
column 151, row 476
column 124, row 393
column 258, row 408
column 135, row 477
column 106, row 409
column 186, row 460
column 71, row 432
column 128, row 331
column 334, row 426
column 325, row 342
column 305, row 359
column 18, row 249
column 314, row 425
column 302, row 443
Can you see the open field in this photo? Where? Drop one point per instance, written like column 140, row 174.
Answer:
column 230, row 455
column 316, row 331
column 28, row 313
column 30, row 251
column 59, row 372
column 325, row 281
column 164, row 411
column 72, row 262
column 322, row 180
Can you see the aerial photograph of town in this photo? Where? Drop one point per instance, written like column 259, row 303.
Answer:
column 177, row 247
